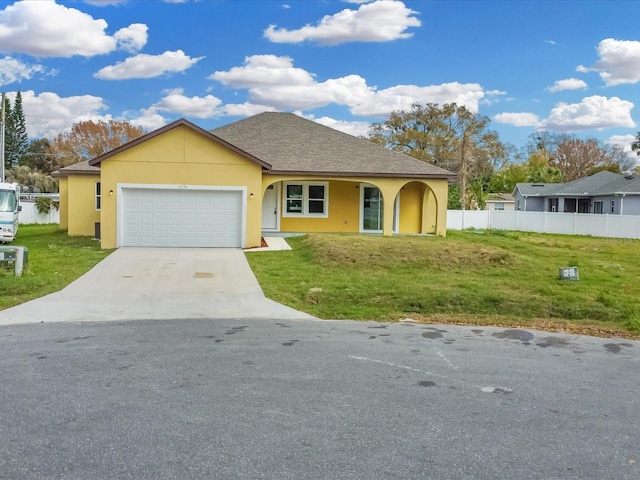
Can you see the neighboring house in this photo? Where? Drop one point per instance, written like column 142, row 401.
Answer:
column 500, row 201
column 79, row 189
column 602, row 192
column 182, row 186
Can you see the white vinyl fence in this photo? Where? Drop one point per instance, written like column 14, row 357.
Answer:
column 29, row 213
column 614, row 226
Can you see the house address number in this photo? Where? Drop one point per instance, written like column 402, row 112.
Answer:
column 569, row 273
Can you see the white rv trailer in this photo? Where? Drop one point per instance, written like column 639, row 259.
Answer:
column 9, row 211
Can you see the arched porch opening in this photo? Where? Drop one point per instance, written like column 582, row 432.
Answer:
column 313, row 204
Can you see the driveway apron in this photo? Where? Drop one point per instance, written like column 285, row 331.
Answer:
column 158, row 283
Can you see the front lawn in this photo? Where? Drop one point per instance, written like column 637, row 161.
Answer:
column 491, row 278
column 55, row 260
column 480, row 278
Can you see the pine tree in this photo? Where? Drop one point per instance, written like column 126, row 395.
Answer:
column 19, row 130
column 16, row 139
column 8, row 137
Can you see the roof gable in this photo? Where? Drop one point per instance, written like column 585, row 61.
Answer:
column 178, row 123
column 295, row 145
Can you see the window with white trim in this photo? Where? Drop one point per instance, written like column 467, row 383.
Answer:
column 306, row 199
column 98, row 196
column 613, row 206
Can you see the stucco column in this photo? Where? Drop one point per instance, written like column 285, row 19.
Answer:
column 429, row 215
column 441, row 221
column 389, row 193
column 434, row 213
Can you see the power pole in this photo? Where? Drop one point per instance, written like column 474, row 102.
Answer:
column 2, row 118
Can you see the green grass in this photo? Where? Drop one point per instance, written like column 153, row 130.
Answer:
column 55, row 260
column 496, row 278
column 503, row 278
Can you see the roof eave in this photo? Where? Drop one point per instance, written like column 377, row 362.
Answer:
column 59, row 173
column 362, row 174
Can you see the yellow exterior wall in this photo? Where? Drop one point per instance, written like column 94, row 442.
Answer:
column 344, row 211
column 180, row 156
column 63, row 206
column 411, row 207
column 81, row 215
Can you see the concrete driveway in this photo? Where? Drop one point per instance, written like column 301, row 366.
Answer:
column 158, row 283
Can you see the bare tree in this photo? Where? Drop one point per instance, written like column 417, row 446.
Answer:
column 578, row 158
column 89, row 139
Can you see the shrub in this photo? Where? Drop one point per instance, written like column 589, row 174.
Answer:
column 45, row 204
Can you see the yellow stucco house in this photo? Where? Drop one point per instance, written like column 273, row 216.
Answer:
column 183, row 186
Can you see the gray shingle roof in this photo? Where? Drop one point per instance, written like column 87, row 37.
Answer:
column 292, row 144
column 77, row 168
column 601, row 183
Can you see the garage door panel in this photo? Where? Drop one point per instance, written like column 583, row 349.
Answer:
column 181, row 218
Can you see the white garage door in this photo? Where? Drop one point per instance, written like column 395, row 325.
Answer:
column 157, row 217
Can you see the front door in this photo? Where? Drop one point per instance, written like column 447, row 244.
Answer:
column 372, row 209
column 270, row 208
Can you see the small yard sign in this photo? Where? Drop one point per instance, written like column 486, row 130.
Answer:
column 569, row 273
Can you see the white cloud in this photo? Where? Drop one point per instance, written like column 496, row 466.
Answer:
column 245, row 109
column 13, row 70
column 48, row 114
column 567, row 84
column 619, row 62
column 595, row 112
column 46, row 29
column 149, row 120
column 176, row 102
column 132, row 38
column 104, row 3
column 624, row 142
column 147, row 66
column 381, row 103
column 274, row 82
column 264, row 70
column 379, row 21
column 592, row 113
column 518, row 119
column 357, row 129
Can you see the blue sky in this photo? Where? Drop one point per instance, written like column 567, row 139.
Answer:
column 566, row 66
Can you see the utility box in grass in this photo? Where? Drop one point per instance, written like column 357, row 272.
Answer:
column 568, row 273
column 14, row 258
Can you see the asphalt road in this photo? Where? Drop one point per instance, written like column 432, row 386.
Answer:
column 208, row 399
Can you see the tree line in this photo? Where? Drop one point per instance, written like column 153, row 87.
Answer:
column 456, row 139
column 31, row 162
column 449, row 136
